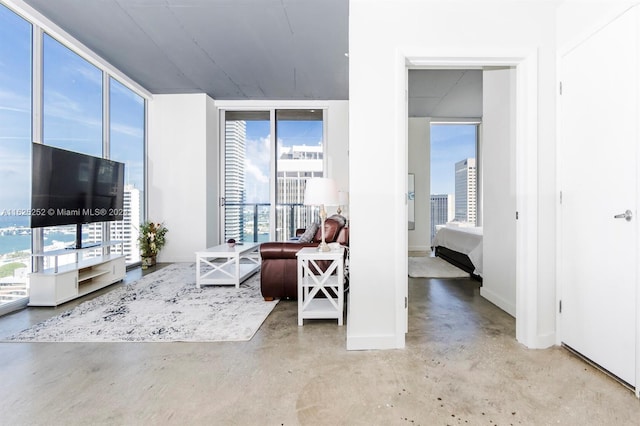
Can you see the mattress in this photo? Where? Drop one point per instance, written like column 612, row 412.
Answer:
column 466, row 240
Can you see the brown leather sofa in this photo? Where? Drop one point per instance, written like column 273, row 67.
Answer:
column 279, row 269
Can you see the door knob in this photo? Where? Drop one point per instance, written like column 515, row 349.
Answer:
column 626, row 215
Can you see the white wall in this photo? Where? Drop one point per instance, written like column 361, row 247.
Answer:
column 498, row 181
column 182, row 172
column 213, row 173
column 338, row 144
column 382, row 35
column 419, row 163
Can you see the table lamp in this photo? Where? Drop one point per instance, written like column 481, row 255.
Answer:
column 321, row 192
column 343, row 200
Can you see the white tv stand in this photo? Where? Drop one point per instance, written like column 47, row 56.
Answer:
column 58, row 284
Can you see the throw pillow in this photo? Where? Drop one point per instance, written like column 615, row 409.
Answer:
column 338, row 218
column 331, row 229
column 308, row 233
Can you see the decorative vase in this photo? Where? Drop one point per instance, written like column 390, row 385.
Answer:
column 148, row 261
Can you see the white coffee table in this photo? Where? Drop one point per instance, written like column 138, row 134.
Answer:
column 225, row 265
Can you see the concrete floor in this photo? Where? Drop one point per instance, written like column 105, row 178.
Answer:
column 461, row 365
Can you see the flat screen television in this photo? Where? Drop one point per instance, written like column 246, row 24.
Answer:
column 72, row 188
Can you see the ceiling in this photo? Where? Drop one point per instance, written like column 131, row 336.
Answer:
column 229, row 49
column 445, row 93
column 244, row 50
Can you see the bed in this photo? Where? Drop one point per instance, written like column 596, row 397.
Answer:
column 461, row 246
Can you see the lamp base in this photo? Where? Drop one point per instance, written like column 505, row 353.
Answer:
column 323, row 247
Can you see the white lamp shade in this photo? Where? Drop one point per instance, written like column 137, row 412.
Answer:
column 320, row 191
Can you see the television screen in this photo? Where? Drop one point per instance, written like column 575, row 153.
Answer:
column 72, row 188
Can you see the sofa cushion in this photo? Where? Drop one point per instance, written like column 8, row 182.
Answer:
column 309, row 233
column 331, row 229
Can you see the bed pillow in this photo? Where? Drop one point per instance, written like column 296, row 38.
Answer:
column 308, row 234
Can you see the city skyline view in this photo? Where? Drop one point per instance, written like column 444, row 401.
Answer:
column 258, row 152
column 450, row 143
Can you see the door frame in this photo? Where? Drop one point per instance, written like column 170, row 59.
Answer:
column 525, row 63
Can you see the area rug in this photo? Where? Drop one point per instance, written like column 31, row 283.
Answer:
column 433, row 267
column 164, row 306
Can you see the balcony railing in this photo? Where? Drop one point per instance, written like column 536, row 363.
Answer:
column 251, row 221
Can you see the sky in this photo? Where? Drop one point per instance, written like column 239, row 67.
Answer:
column 258, row 154
column 449, row 144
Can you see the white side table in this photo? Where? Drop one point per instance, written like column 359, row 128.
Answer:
column 312, row 282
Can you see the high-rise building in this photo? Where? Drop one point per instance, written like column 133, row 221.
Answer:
column 130, row 224
column 442, row 211
column 234, row 191
column 296, row 164
column 465, row 172
column 127, row 229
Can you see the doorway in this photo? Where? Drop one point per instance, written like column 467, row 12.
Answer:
column 525, row 65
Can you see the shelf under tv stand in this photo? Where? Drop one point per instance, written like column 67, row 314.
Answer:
column 61, row 283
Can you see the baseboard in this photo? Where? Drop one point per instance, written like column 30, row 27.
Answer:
column 15, row 305
column 499, row 301
column 544, row 341
column 419, row 248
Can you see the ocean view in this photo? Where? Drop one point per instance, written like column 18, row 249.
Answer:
column 13, row 239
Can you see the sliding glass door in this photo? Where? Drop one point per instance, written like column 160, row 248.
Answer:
column 246, row 153
column 299, row 156
column 267, row 157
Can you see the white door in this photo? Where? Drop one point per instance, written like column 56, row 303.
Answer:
column 597, row 170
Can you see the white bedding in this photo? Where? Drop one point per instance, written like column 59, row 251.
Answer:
column 467, row 240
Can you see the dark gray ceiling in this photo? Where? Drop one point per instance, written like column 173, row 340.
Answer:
column 230, row 49
column 445, row 93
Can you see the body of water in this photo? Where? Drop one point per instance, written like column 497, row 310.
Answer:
column 21, row 239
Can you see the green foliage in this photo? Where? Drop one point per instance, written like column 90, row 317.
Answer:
column 152, row 238
column 7, row 269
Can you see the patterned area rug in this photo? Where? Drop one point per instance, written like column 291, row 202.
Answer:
column 164, row 306
column 433, row 267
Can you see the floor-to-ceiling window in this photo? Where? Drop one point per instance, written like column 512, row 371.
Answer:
column 246, row 165
column 72, row 120
column 268, row 156
column 454, row 174
column 299, row 156
column 15, row 157
column 126, row 135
